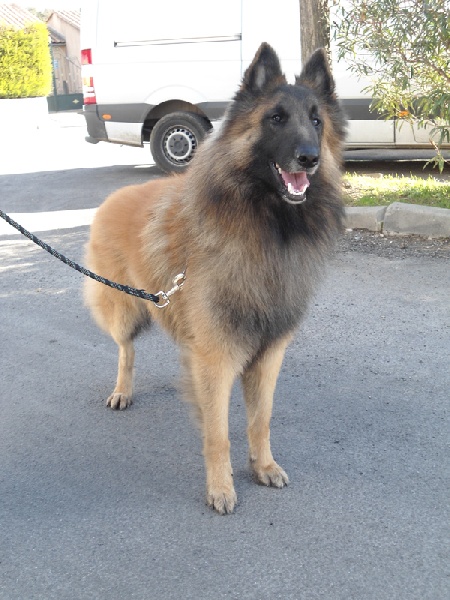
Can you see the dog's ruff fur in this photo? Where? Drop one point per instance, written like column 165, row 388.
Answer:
column 252, row 220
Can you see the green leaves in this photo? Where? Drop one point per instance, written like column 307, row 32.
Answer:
column 403, row 47
column 25, row 64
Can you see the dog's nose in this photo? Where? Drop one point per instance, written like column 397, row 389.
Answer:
column 307, row 156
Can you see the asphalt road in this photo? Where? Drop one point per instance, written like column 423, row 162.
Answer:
column 96, row 504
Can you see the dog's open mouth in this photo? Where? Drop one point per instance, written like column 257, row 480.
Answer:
column 293, row 186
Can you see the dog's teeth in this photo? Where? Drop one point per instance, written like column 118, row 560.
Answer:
column 289, row 186
column 293, row 191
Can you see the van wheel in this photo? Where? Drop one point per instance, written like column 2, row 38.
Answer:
column 175, row 138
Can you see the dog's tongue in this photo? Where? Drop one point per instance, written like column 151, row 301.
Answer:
column 299, row 181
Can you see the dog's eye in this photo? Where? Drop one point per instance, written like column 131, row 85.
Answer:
column 316, row 121
column 276, row 118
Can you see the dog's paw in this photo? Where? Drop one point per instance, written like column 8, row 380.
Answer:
column 223, row 501
column 270, row 475
column 119, row 401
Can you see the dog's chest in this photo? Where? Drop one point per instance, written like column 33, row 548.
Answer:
column 261, row 300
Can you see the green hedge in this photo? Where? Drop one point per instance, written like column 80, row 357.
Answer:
column 25, row 62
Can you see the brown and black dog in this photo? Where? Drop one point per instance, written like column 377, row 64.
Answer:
column 252, row 222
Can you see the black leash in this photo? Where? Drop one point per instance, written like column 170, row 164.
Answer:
column 178, row 280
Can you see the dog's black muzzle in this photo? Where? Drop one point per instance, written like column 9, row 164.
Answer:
column 307, row 156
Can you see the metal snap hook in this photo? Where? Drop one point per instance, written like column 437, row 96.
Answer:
column 178, row 282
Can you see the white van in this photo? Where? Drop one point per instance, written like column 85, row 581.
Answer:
column 163, row 72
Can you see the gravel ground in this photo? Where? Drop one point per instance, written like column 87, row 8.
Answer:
column 394, row 247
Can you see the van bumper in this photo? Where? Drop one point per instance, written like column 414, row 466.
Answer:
column 95, row 126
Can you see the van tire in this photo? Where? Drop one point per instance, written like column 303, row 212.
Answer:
column 175, row 138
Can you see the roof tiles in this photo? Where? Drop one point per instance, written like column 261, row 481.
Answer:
column 16, row 16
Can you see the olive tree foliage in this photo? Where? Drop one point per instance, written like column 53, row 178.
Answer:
column 403, row 48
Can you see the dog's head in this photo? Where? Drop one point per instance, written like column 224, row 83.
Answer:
column 286, row 124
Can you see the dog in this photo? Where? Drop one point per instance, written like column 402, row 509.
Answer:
column 251, row 223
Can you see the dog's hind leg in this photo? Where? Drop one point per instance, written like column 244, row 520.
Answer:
column 259, row 381
column 130, row 317
column 123, row 317
column 121, row 396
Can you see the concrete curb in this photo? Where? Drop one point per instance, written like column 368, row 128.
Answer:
column 371, row 217
column 400, row 219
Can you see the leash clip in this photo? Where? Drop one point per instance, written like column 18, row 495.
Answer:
column 164, row 297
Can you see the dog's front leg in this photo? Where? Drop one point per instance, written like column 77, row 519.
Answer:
column 259, row 381
column 213, row 377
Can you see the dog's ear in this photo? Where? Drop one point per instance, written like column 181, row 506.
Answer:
column 316, row 74
column 264, row 73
